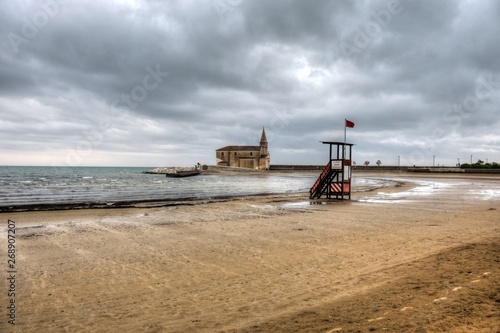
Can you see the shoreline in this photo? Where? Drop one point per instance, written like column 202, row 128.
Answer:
column 191, row 200
column 284, row 203
column 167, row 202
column 153, row 203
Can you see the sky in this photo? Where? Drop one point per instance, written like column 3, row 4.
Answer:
column 166, row 83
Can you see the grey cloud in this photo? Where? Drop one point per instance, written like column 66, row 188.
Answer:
column 231, row 73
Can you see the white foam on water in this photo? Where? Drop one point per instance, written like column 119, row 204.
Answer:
column 423, row 188
column 489, row 194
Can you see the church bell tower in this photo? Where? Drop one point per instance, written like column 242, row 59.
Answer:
column 265, row 158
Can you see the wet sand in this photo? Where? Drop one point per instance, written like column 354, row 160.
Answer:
column 421, row 257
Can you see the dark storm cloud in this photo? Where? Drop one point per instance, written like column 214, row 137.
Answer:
column 175, row 80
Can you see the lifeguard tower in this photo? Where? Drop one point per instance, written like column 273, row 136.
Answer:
column 335, row 179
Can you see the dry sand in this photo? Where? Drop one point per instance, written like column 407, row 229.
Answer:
column 422, row 259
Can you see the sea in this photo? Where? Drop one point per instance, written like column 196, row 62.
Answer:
column 30, row 185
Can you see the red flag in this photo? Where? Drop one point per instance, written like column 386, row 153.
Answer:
column 349, row 124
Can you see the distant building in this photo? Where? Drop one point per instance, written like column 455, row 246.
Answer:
column 253, row 157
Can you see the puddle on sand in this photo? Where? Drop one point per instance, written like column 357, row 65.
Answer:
column 430, row 189
column 305, row 204
column 462, row 189
column 263, row 206
column 486, row 194
column 424, row 188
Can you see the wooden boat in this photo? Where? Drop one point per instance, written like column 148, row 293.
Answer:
column 180, row 174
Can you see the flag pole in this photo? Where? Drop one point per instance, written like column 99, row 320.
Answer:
column 345, row 137
column 343, row 159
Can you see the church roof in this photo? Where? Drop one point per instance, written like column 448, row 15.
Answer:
column 241, row 148
column 263, row 137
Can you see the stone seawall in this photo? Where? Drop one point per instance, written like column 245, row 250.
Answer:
column 218, row 168
column 166, row 170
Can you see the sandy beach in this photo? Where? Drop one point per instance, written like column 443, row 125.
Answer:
column 423, row 256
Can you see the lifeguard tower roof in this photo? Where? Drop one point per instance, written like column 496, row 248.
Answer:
column 336, row 143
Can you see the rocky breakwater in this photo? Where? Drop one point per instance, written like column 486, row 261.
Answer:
column 169, row 170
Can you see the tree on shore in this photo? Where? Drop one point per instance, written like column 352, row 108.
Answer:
column 378, row 163
column 480, row 165
column 366, row 163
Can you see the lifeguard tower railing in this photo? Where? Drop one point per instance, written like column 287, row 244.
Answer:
column 335, row 179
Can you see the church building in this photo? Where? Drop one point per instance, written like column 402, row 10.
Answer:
column 253, row 157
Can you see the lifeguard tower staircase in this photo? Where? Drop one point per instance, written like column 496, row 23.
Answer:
column 335, row 179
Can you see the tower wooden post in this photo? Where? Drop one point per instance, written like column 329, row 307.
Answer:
column 335, row 180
